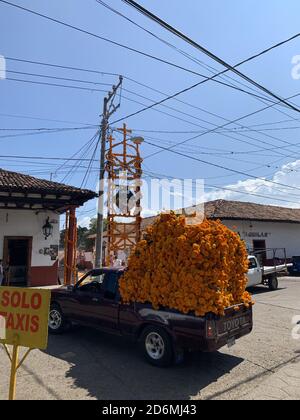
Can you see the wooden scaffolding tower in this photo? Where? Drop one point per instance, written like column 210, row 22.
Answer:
column 124, row 173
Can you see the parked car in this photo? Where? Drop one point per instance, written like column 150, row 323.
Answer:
column 164, row 335
column 294, row 269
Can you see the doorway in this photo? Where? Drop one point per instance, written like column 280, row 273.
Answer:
column 259, row 250
column 17, row 260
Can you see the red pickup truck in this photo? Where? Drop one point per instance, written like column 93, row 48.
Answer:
column 164, row 335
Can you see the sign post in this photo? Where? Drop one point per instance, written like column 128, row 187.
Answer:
column 23, row 322
column 13, row 372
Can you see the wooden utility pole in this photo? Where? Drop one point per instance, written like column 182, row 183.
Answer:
column 108, row 109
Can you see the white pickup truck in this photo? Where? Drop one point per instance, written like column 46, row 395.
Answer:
column 266, row 275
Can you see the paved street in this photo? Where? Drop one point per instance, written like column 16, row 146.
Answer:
column 84, row 364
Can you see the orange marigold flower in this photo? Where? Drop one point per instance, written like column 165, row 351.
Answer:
column 198, row 268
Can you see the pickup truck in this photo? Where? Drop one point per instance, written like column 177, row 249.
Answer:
column 164, row 335
column 265, row 275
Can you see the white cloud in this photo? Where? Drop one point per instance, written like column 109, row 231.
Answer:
column 265, row 192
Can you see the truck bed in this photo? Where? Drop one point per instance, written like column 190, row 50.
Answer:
column 275, row 269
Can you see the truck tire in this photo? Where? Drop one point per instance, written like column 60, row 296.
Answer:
column 273, row 283
column 157, row 346
column 57, row 322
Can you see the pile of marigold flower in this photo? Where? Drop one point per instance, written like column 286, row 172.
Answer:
column 192, row 268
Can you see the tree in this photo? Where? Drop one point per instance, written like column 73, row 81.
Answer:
column 83, row 241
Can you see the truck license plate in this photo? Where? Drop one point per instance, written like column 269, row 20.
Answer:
column 231, row 342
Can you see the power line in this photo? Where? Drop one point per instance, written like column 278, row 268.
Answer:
column 206, row 132
column 62, row 67
column 88, row 171
column 42, row 119
column 151, row 56
column 108, row 84
column 185, row 54
column 214, row 57
column 129, row 99
column 263, row 98
column 57, row 77
column 149, row 87
column 82, row 148
column 224, row 125
column 53, row 84
column 220, row 166
column 100, row 37
column 48, row 131
column 45, row 158
column 234, row 190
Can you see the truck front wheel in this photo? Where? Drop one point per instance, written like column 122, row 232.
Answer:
column 273, row 283
column 56, row 323
column 157, row 346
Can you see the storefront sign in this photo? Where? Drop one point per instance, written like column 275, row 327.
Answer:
column 256, row 234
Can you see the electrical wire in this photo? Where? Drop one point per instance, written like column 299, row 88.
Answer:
column 214, row 57
column 221, row 166
column 232, row 68
column 142, row 84
column 222, row 126
column 185, row 54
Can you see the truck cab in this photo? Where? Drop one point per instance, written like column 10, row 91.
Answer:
column 254, row 272
column 265, row 275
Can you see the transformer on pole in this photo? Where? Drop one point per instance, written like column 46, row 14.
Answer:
column 124, row 172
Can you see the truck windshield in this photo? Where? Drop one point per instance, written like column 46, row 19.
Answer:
column 93, row 278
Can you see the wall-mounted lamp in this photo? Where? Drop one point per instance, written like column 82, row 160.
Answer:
column 47, row 229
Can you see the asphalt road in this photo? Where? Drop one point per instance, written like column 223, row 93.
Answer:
column 85, row 364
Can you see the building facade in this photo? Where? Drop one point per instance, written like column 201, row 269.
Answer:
column 30, row 211
column 272, row 230
column 32, row 258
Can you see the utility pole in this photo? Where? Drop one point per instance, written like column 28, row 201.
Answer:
column 108, row 109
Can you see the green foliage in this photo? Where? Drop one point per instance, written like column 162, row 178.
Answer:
column 83, row 241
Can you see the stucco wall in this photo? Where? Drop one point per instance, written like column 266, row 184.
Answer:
column 276, row 235
column 28, row 223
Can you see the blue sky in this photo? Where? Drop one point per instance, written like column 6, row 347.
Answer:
column 233, row 30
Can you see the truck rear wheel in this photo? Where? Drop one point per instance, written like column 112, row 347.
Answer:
column 273, row 283
column 157, row 346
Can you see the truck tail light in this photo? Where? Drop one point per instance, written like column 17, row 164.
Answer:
column 210, row 329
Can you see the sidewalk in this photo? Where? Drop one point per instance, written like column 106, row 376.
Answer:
column 282, row 385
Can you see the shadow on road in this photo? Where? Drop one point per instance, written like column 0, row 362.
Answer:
column 259, row 290
column 110, row 367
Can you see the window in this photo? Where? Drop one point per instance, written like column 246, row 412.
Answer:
column 111, row 285
column 252, row 263
column 93, row 282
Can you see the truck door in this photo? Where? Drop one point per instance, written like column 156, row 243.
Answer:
column 96, row 303
column 254, row 272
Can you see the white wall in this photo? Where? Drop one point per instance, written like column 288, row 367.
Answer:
column 28, row 223
column 276, row 235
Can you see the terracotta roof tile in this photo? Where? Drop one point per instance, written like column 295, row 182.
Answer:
column 240, row 210
column 17, row 182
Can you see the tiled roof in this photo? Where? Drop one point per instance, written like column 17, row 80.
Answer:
column 24, row 191
column 20, row 183
column 240, row 210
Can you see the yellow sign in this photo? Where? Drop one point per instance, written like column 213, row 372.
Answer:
column 24, row 317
